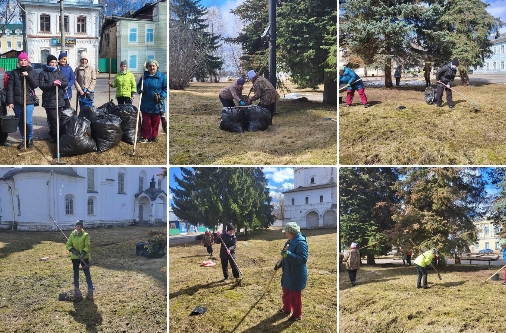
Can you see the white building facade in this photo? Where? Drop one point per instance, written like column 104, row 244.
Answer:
column 488, row 237
column 34, row 198
column 312, row 203
column 41, row 20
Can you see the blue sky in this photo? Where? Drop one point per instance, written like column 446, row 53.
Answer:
column 497, row 8
column 280, row 179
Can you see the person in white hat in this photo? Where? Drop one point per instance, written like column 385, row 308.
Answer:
column 352, row 260
column 264, row 91
column 86, row 77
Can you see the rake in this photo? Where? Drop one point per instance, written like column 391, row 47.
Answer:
column 438, row 275
column 468, row 99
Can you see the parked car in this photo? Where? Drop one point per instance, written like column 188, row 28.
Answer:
column 38, row 66
column 487, row 251
column 391, row 253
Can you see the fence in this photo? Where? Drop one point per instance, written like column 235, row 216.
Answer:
column 8, row 64
column 104, row 63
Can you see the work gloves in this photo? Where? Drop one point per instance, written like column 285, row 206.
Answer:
column 74, row 251
column 276, row 266
column 249, row 102
column 57, row 83
column 242, row 103
column 284, row 253
column 158, row 98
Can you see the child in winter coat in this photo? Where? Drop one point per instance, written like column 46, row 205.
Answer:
column 124, row 82
column 353, row 82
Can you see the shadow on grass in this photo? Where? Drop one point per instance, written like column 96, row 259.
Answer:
column 195, row 288
column 268, row 325
column 86, row 312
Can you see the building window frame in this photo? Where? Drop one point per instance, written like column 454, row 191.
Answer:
column 81, row 24
column 45, row 23
column 65, row 23
column 69, row 204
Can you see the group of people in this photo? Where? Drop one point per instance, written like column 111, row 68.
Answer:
column 263, row 90
column 293, row 264
column 17, row 91
column 444, row 78
column 352, row 260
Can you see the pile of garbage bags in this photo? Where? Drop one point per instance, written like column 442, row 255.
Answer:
column 96, row 129
column 240, row 119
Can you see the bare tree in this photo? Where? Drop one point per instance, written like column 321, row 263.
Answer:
column 9, row 13
column 279, row 204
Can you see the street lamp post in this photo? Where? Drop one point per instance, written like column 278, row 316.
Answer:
column 62, row 27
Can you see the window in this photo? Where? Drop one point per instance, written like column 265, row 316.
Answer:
column 69, row 205
column 486, row 245
column 45, row 23
column 312, row 180
column 497, row 245
column 496, row 229
column 65, row 23
column 132, row 61
column 43, row 54
column 81, row 24
column 502, row 65
column 19, row 47
column 132, row 35
column 150, row 35
column 477, row 246
column 19, row 205
column 502, row 48
column 91, row 179
column 91, row 206
column 493, row 65
column 121, row 182
column 141, row 182
column 321, row 198
column 9, row 44
column 293, row 201
column 487, row 230
column 307, row 200
column 159, row 184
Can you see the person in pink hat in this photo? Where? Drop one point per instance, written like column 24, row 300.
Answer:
column 16, row 93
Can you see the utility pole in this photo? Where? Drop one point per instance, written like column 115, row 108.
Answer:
column 62, row 27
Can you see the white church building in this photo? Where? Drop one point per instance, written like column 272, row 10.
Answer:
column 312, row 203
column 34, row 198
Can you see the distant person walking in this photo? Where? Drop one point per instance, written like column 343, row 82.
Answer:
column 409, row 253
column 351, row 259
column 86, row 77
column 16, row 96
column 207, row 240
column 232, row 93
column 397, row 75
column 124, row 82
column 444, row 77
column 265, row 91
column 68, row 72
column 421, row 263
column 353, row 83
column 426, row 73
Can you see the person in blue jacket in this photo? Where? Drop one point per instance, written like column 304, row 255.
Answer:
column 154, row 93
column 68, row 72
column 294, row 277
column 353, row 82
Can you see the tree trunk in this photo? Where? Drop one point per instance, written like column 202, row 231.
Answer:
column 464, row 77
column 330, row 91
column 370, row 259
column 388, row 75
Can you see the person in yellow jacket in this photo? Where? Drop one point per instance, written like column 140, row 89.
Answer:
column 79, row 246
column 124, row 81
column 421, row 262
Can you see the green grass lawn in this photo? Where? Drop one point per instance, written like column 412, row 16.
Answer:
column 422, row 133
column 130, row 296
column 386, row 300
column 241, row 307
column 301, row 132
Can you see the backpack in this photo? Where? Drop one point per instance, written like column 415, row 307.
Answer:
column 430, row 95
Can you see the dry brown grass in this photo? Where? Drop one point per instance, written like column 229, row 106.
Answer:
column 386, row 300
column 240, row 307
column 130, row 296
column 422, row 133
column 43, row 154
column 300, row 134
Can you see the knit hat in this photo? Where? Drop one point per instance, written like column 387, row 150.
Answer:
column 251, row 74
column 79, row 222
column 62, row 55
column 341, row 68
column 51, row 58
column 124, row 62
column 230, row 226
column 291, row 228
column 152, row 61
column 83, row 55
column 455, row 62
column 353, row 245
column 22, row 56
column 240, row 81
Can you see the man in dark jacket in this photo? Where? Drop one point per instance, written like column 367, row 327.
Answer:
column 444, row 77
column 49, row 79
column 227, row 252
column 16, row 96
column 294, row 277
column 68, row 72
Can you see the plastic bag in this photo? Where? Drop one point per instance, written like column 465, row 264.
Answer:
column 128, row 115
column 77, row 137
column 107, row 107
column 106, row 131
column 430, row 95
column 234, row 120
column 90, row 112
column 259, row 118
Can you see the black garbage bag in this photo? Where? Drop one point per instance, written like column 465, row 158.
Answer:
column 234, row 119
column 90, row 112
column 430, row 95
column 128, row 115
column 77, row 138
column 65, row 115
column 106, row 131
column 259, row 118
column 107, row 107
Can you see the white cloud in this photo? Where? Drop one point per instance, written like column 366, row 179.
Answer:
column 278, row 175
column 231, row 22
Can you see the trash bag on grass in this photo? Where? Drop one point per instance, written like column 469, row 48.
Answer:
column 234, row 120
column 128, row 115
column 77, row 137
column 430, row 95
column 106, row 131
column 259, row 118
column 90, row 112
